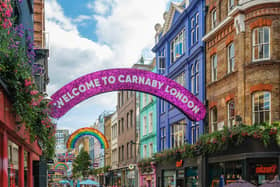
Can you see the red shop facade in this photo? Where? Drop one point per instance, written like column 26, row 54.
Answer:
column 17, row 154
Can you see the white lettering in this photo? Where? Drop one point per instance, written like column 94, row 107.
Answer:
column 173, row 91
column 154, row 83
column 166, row 89
column 97, row 83
column 104, row 80
column 185, row 99
column 60, row 103
column 69, row 95
column 121, row 78
column 148, row 82
column 89, row 84
column 74, row 92
column 141, row 80
column 82, row 88
column 190, row 104
column 179, row 95
column 160, row 84
column 134, row 79
column 112, row 79
column 65, row 98
column 195, row 109
column 128, row 79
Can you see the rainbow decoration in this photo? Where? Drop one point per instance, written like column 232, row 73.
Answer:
column 58, row 164
column 87, row 131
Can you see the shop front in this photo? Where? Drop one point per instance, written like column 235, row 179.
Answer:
column 17, row 153
column 147, row 176
column 252, row 162
column 181, row 173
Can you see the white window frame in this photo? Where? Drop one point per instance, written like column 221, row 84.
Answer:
column 230, row 118
column 231, row 59
column 259, row 111
column 230, row 5
column 144, row 99
column 214, row 67
column 214, row 124
column 151, row 151
column 213, row 18
column 254, row 44
column 150, row 122
column 145, row 150
column 162, row 61
column 179, row 39
column 144, row 125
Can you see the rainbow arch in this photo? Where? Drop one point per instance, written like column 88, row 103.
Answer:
column 61, row 164
column 87, row 131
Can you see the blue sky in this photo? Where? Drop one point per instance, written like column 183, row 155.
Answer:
column 90, row 35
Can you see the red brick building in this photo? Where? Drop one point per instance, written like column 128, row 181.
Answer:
column 242, row 62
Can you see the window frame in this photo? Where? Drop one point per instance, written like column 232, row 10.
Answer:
column 213, row 21
column 262, row 44
column 230, row 119
column 231, row 60
column 214, row 71
column 259, row 111
column 144, row 125
column 231, row 6
column 176, row 41
column 150, row 122
column 214, row 124
column 162, row 61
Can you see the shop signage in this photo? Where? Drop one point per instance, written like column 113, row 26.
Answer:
column 179, row 163
column 126, row 79
column 130, row 166
column 268, row 169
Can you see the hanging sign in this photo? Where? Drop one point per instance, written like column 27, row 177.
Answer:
column 126, row 79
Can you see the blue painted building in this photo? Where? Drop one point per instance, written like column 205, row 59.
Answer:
column 180, row 56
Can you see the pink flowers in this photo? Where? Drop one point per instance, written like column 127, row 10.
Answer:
column 34, row 92
column 27, row 82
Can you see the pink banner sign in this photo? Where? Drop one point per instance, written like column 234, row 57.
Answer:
column 126, row 79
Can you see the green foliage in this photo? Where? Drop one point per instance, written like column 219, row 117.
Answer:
column 29, row 106
column 81, row 164
column 220, row 141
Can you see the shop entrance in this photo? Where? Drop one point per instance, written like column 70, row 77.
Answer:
column 179, row 182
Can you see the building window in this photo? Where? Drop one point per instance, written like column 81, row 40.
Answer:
column 151, row 150
column 214, row 67
column 177, row 134
column 131, row 150
column 144, row 100
column 122, row 125
column 181, row 79
column 127, row 120
column 213, row 19
column 261, row 40
column 144, row 125
column 162, row 138
column 231, row 58
column 150, row 122
column 194, row 132
column 261, row 107
column 145, row 151
column 162, row 106
column 122, row 152
column 230, row 113
column 150, row 98
column 195, row 78
column 127, row 150
column 194, row 29
column 177, row 46
column 119, row 126
column 131, row 118
column 161, row 58
column 214, row 119
column 230, row 5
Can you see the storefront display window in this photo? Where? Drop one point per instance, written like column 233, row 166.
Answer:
column 192, row 177
column 13, row 164
column 225, row 172
column 169, row 178
column 262, row 170
column 25, row 168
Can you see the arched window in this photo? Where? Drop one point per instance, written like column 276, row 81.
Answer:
column 261, row 107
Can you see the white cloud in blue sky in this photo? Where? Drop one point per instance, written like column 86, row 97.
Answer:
column 97, row 35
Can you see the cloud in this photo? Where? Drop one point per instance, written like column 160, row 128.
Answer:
column 124, row 30
column 81, row 18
